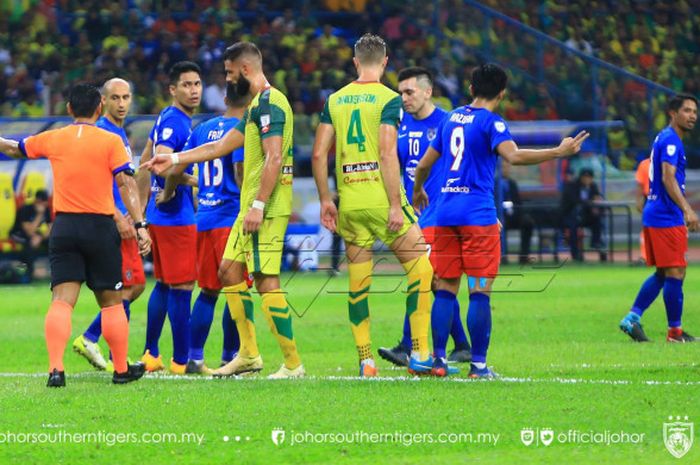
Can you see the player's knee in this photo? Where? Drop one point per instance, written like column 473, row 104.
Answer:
column 135, row 292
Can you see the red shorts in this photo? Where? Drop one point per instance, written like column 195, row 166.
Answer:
column 174, row 253
column 471, row 250
column 666, row 247
column 132, row 265
column 210, row 249
column 429, row 236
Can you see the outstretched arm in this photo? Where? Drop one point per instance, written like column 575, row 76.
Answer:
column 231, row 141
column 319, row 166
column 10, row 148
column 517, row 156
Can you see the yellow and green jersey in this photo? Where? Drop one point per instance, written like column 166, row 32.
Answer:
column 356, row 111
column 269, row 114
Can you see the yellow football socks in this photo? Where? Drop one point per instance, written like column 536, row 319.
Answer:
column 358, row 308
column 240, row 305
column 276, row 310
column 420, row 275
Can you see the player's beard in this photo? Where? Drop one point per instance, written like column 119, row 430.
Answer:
column 242, row 87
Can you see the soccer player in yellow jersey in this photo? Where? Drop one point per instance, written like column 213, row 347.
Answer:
column 257, row 235
column 362, row 118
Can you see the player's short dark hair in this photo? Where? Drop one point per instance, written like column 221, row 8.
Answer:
column 84, row 100
column 370, row 49
column 488, row 81
column 239, row 49
column 676, row 102
column 41, row 195
column 181, row 67
column 417, row 72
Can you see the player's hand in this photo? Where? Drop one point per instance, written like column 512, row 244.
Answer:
column 329, row 215
column 420, row 200
column 144, row 240
column 126, row 230
column 691, row 220
column 252, row 221
column 162, row 198
column 572, row 145
column 158, row 164
column 395, row 219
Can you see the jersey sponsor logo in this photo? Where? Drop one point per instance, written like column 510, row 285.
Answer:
column 360, row 167
column 462, row 119
column 450, row 188
column 265, row 123
column 351, row 180
column 500, row 126
column 411, row 169
column 167, row 132
column 671, row 150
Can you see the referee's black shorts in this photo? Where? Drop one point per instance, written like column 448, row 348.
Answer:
column 85, row 247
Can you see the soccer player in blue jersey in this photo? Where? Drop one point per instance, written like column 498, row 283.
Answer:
column 419, row 124
column 116, row 100
column 667, row 218
column 218, row 200
column 172, row 226
column 467, row 237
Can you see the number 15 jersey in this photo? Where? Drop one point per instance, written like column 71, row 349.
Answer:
column 356, row 111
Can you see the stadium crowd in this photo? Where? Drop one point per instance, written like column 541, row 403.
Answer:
column 45, row 45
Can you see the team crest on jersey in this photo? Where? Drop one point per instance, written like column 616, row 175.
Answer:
column 265, row 123
column 432, row 132
column 671, row 150
column 167, row 132
column 500, row 126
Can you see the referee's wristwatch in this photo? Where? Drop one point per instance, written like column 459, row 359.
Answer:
column 141, row 224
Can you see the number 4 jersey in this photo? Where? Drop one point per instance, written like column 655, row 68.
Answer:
column 468, row 138
column 356, row 111
column 219, row 196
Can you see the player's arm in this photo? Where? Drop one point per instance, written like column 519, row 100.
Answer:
column 420, row 197
column 143, row 177
column 124, row 226
column 130, row 196
column 11, row 148
column 272, row 150
column 389, row 167
column 674, row 191
column 640, row 198
column 319, row 166
column 231, row 141
column 517, row 156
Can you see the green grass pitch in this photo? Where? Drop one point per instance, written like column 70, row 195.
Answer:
column 555, row 341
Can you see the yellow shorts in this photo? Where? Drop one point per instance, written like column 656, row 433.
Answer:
column 363, row 227
column 260, row 251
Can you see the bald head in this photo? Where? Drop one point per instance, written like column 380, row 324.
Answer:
column 116, row 100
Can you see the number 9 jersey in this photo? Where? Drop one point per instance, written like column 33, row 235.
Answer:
column 469, row 137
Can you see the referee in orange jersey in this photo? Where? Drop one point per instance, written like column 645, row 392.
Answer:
column 84, row 244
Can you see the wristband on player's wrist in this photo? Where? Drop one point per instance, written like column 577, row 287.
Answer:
column 141, row 224
column 175, row 158
column 258, row 204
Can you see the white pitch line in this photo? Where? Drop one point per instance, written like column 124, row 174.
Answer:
column 379, row 379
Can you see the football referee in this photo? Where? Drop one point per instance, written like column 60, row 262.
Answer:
column 84, row 244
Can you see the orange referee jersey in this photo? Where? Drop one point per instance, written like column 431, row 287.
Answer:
column 642, row 175
column 84, row 160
